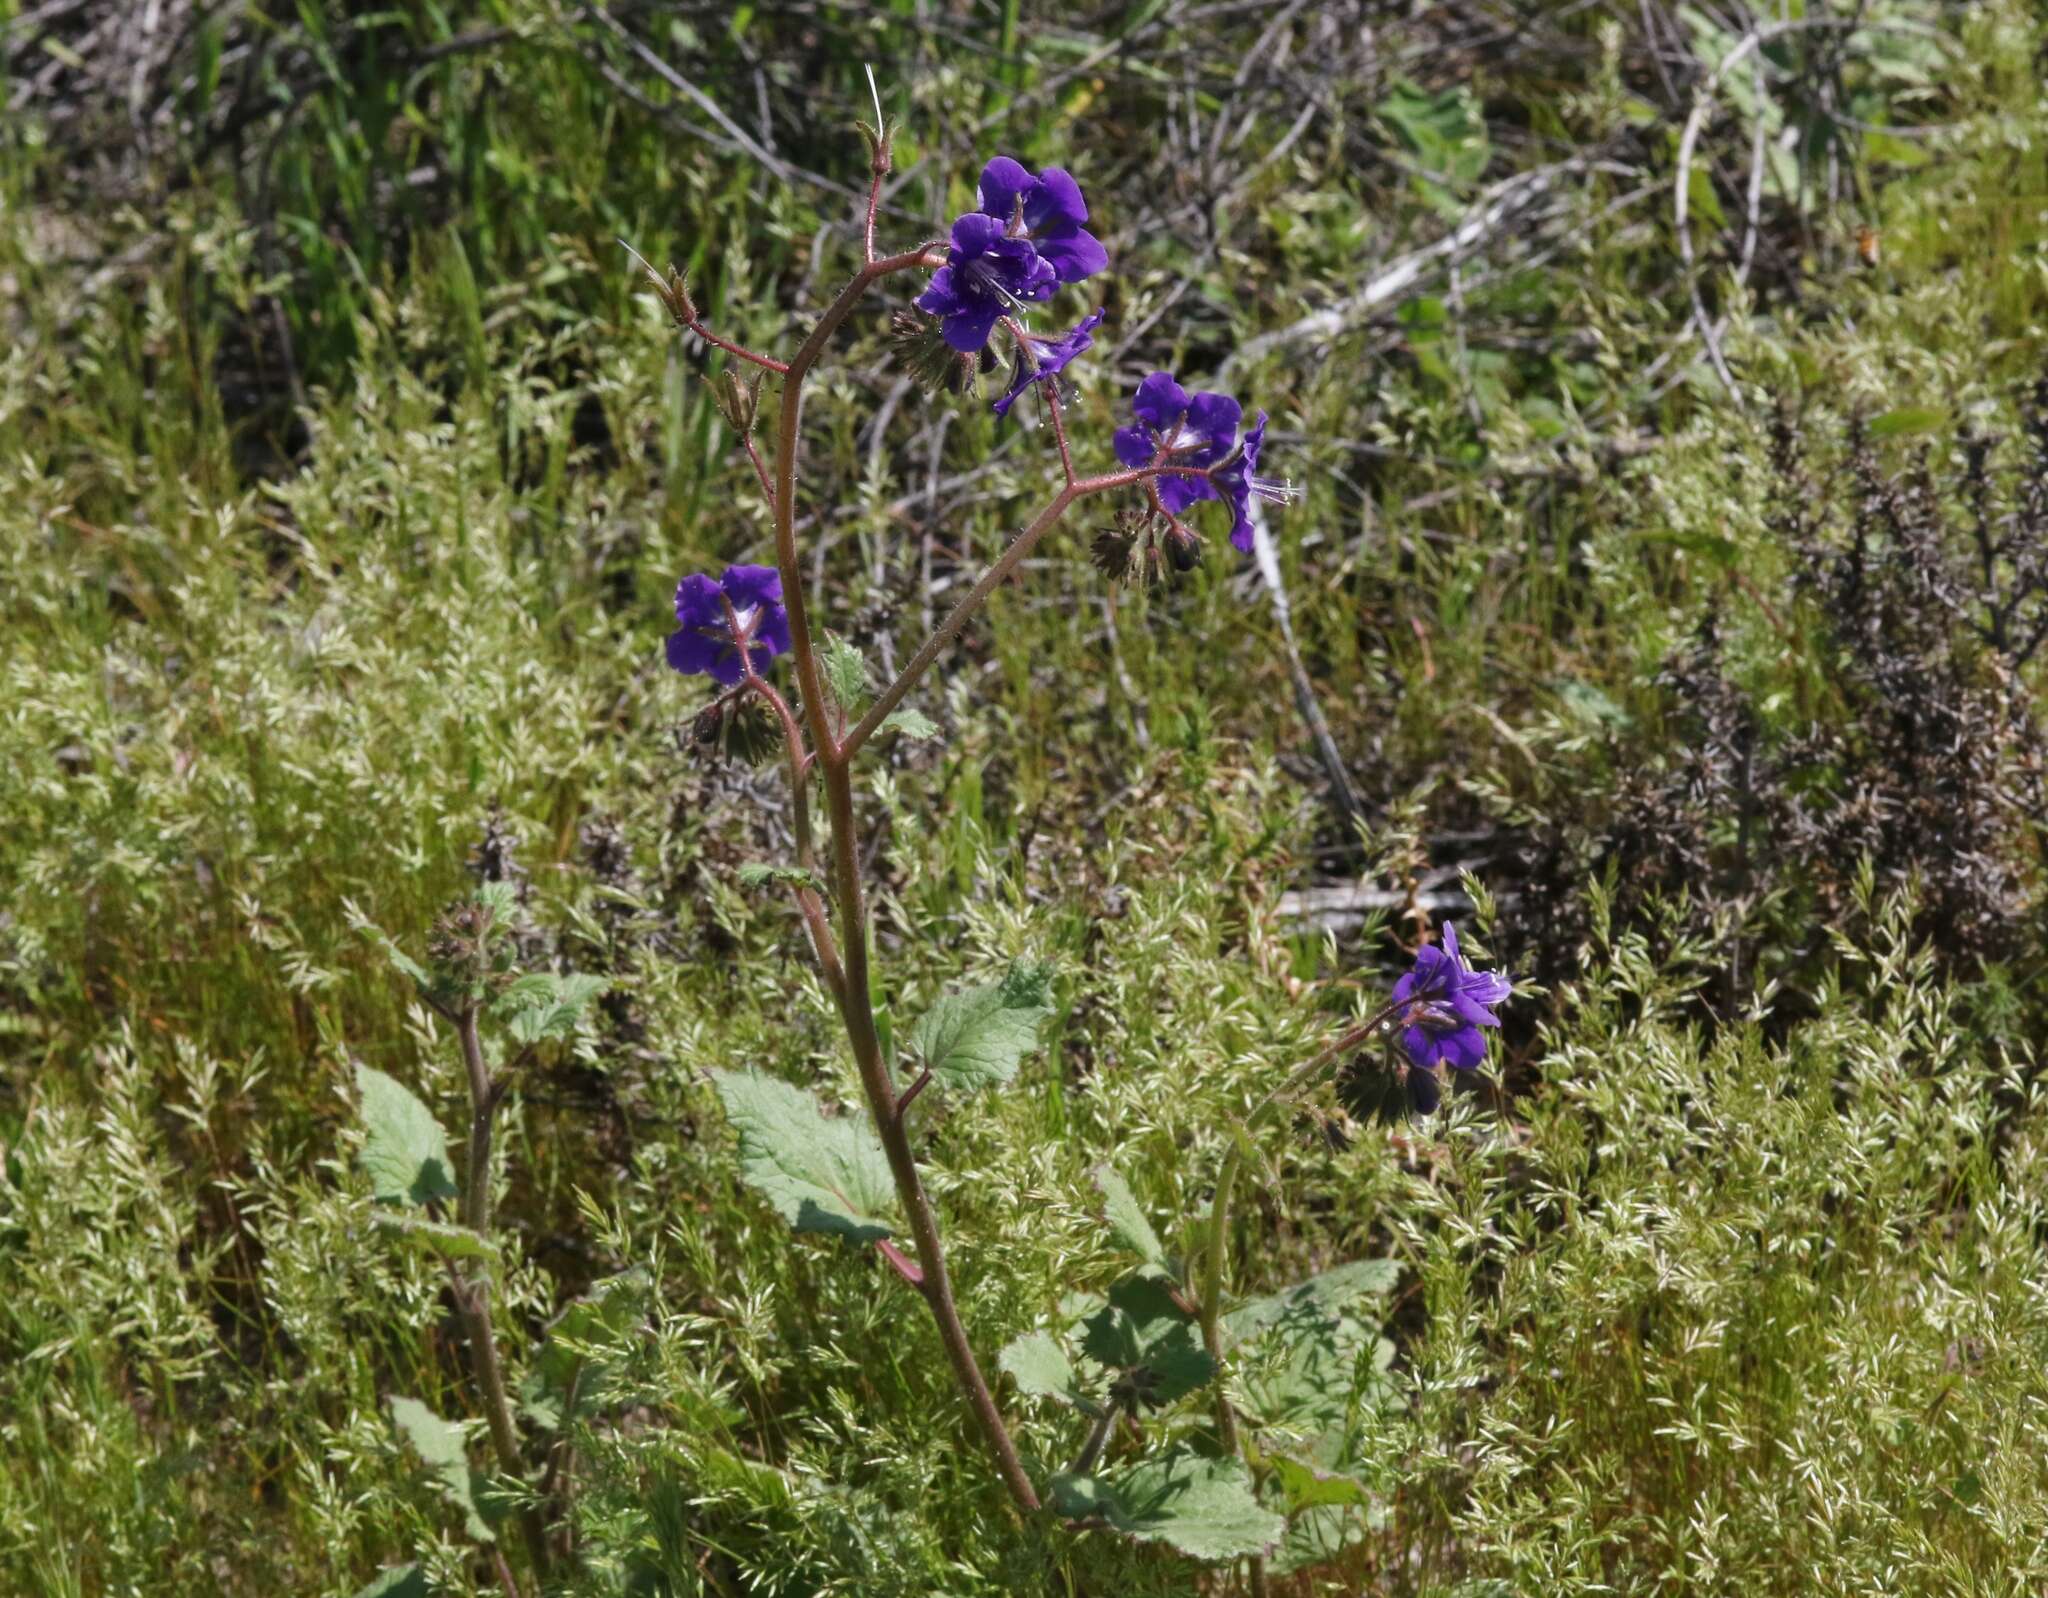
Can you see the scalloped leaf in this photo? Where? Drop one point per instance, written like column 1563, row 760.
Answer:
column 821, row 1173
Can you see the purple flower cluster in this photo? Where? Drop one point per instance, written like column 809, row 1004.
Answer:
column 1174, row 429
column 1444, row 1003
column 1016, row 250
column 717, row 620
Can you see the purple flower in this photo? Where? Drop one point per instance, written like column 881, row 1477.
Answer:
column 1234, row 477
column 707, row 641
column 1191, row 432
column 1447, row 1002
column 987, row 275
column 1053, row 356
column 1050, row 211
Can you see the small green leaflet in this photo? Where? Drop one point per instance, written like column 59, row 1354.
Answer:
column 977, row 1039
column 913, row 724
column 1126, row 1217
column 440, row 1444
column 1204, row 1507
column 846, row 672
column 404, row 1150
column 545, row 1005
column 822, row 1174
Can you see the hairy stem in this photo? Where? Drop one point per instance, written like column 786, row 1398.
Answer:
column 855, row 1005
column 473, row 1294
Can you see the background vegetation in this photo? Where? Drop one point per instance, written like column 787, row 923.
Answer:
column 1673, row 596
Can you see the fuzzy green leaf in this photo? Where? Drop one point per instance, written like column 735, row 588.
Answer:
column 1204, row 1507
column 440, row 1443
column 1041, row 1369
column 545, row 1005
column 1126, row 1217
column 822, row 1174
column 846, row 672
column 913, row 724
column 977, row 1039
column 405, row 1151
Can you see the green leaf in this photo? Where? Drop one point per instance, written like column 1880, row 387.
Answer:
column 846, row 672
column 545, row 1005
column 1204, row 1507
column 1144, row 1331
column 976, row 1039
column 440, row 1444
column 580, row 1338
column 1306, row 1486
column 440, row 1237
column 1906, row 421
column 1316, row 1299
column 405, row 1151
column 1315, row 1537
column 1041, row 1369
column 400, row 1581
column 1126, row 1218
column 821, row 1174
column 913, row 724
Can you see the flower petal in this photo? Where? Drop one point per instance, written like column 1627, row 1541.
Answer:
column 1134, row 446
column 697, row 602
column 967, row 329
column 772, row 631
column 1465, row 1048
column 1003, row 183
column 940, row 297
column 1073, row 255
column 726, row 667
column 1214, row 417
column 975, row 234
column 1055, row 199
column 1177, row 494
column 1160, row 402
column 752, row 585
column 1422, row 1045
column 1451, row 945
column 690, row 652
column 1243, row 536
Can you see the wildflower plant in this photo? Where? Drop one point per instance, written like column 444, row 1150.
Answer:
column 1158, row 1358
